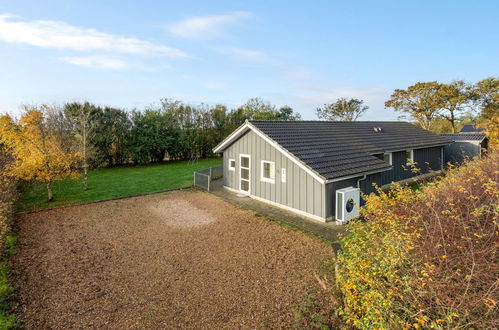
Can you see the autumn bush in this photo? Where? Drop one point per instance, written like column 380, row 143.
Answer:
column 425, row 258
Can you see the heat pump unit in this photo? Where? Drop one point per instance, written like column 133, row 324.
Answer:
column 347, row 204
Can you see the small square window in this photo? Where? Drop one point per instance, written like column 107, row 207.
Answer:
column 232, row 164
column 268, row 171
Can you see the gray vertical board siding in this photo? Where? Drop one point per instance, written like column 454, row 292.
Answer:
column 459, row 151
column 228, row 175
column 301, row 191
column 427, row 159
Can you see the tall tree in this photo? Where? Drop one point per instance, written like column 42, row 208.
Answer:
column 110, row 137
column 287, row 113
column 420, row 101
column 84, row 115
column 343, row 109
column 488, row 97
column 455, row 98
column 38, row 155
column 487, row 91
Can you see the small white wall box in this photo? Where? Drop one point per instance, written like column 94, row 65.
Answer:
column 347, row 204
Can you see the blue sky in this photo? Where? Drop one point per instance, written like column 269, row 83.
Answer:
column 302, row 54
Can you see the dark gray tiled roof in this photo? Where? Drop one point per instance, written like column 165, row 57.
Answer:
column 471, row 129
column 465, row 137
column 337, row 149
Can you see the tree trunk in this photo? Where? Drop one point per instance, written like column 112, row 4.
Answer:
column 50, row 197
column 85, row 163
column 453, row 122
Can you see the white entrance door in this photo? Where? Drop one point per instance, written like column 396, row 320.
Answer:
column 244, row 173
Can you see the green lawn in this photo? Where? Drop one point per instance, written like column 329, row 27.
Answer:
column 113, row 182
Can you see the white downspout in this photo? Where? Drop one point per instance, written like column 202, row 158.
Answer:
column 358, row 181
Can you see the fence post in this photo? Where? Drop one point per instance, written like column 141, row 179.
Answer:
column 194, row 179
column 209, row 179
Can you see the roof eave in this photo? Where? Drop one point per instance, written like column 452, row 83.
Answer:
column 341, row 178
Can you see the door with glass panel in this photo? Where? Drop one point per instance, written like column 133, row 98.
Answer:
column 244, row 173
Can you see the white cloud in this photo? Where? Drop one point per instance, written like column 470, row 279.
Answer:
column 97, row 61
column 112, row 63
column 60, row 35
column 248, row 56
column 205, row 27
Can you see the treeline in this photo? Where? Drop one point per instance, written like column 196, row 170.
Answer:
column 50, row 143
column 444, row 107
column 172, row 130
column 435, row 106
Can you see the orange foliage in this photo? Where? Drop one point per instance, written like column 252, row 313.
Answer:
column 38, row 155
column 426, row 259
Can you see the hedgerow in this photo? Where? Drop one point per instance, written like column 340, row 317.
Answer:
column 425, row 258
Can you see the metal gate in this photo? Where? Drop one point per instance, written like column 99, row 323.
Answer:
column 203, row 178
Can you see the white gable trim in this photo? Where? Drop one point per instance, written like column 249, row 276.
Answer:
column 286, row 153
column 221, row 146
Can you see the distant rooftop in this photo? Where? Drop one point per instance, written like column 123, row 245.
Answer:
column 465, row 136
column 471, row 129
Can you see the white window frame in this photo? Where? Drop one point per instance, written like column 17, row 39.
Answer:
column 249, row 173
column 272, row 166
column 390, row 157
column 410, row 161
column 230, row 167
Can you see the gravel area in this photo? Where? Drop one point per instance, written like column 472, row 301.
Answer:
column 184, row 259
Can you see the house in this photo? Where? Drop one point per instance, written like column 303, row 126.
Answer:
column 318, row 168
column 465, row 146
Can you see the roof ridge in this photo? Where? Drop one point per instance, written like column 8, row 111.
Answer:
column 327, row 121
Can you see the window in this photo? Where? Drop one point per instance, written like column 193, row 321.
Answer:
column 268, row 171
column 409, row 156
column 388, row 158
column 232, row 164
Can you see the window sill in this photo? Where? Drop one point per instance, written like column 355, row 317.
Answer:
column 267, row 180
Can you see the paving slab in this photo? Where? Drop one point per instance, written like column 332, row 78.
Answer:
column 328, row 231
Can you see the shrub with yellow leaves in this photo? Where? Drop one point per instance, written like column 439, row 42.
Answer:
column 425, row 259
column 38, row 154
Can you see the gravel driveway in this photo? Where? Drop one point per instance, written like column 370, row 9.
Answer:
column 178, row 260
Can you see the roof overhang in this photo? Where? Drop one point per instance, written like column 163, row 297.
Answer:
column 358, row 175
column 420, row 147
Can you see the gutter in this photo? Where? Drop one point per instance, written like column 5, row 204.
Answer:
column 357, row 175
